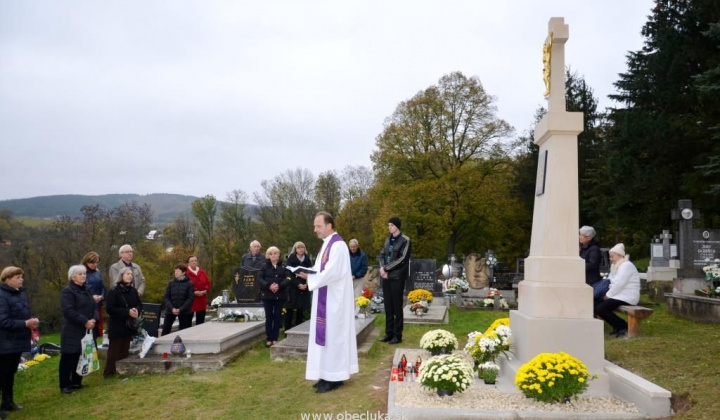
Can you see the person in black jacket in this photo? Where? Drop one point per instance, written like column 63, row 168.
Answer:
column 273, row 286
column 178, row 299
column 394, row 271
column 300, row 298
column 79, row 311
column 123, row 302
column 590, row 252
column 16, row 324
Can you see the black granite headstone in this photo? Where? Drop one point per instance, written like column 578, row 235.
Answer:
column 151, row 318
column 245, row 285
column 423, row 275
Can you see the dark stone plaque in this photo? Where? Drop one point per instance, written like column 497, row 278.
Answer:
column 151, row 318
column 705, row 246
column 245, row 285
column 423, row 275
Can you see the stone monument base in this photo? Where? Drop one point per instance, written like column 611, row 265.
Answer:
column 581, row 338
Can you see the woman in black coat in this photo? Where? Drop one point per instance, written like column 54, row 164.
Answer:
column 179, row 296
column 123, row 302
column 16, row 324
column 273, row 285
column 79, row 311
column 590, row 252
column 300, row 298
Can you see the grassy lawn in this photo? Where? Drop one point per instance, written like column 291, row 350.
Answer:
column 679, row 355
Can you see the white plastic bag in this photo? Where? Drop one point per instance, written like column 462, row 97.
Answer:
column 147, row 345
column 88, row 362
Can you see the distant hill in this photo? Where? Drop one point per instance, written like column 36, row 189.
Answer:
column 166, row 207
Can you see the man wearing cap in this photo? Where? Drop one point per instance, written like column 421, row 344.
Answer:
column 394, row 271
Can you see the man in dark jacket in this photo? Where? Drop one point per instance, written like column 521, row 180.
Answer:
column 253, row 259
column 394, row 271
column 178, row 299
column 358, row 260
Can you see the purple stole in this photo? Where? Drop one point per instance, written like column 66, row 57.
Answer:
column 320, row 321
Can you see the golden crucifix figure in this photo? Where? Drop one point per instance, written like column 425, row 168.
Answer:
column 547, row 51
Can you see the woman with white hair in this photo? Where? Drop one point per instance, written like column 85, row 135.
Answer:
column 79, row 311
column 590, row 252
column 624, row 290
column 273, row 285
column 300, row 298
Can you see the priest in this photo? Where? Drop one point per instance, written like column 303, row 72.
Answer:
column 332, row 346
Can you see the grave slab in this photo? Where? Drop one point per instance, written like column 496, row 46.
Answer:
column 211, row 337
column 437, row 314
column 295, row 345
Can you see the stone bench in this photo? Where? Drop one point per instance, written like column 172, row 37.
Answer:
column 635, row 314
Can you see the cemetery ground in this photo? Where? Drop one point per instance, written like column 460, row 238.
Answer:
column 679, row 355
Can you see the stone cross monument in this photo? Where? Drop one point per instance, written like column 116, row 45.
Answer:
column 555, row 306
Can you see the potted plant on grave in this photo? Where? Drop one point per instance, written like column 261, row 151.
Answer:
column 362, row 303
column 712, row 276
column 553, row 377
column 447, row 374
column 420, row 294
column 490, row 372
column 439, row 342
column 486, row 347
column 419, row 308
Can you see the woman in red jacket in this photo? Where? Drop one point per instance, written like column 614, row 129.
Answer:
column 201, row 282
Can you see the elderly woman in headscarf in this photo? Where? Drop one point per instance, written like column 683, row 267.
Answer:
column 624, row 290
column 16, row 323
column 79, row 311
column 123, row 302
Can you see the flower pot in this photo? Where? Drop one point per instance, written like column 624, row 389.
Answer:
column 361, row 315
column 489, row 382
column 444, row 392
column 439, row 351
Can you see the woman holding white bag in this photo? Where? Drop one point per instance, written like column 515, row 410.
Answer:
column 79, row 311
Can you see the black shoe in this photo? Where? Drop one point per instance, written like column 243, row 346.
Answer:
column 3, row 415
column 67, row 390
column 77, row 386
column 10, row 406
column 613, row 332
column 396, row 340
column 316, row 384
column 387, row 338
column 621, row 334
column 328, row 386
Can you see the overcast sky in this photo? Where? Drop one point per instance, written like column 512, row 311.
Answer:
column 203, row 97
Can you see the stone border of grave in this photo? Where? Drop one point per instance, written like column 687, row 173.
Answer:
column 515, row 406
column 694, row 308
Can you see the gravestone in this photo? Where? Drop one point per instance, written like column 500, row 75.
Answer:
column 151, row 318
column 661, row 254
column 245, row 286
column 697, row 247
column 423, row 276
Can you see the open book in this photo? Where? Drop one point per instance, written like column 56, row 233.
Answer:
column 296, row 270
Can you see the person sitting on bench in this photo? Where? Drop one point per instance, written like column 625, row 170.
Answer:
column 624, row 290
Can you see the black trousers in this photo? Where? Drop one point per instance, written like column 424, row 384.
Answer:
column 68, row 364
column 605, row 311
column 273, row 316
column 199, row 317
column 117, row 350
column 393, row 294
column 8, row 367
column 185, row 322
column 297, row 314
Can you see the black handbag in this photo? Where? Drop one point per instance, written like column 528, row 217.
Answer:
column 132, row 324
